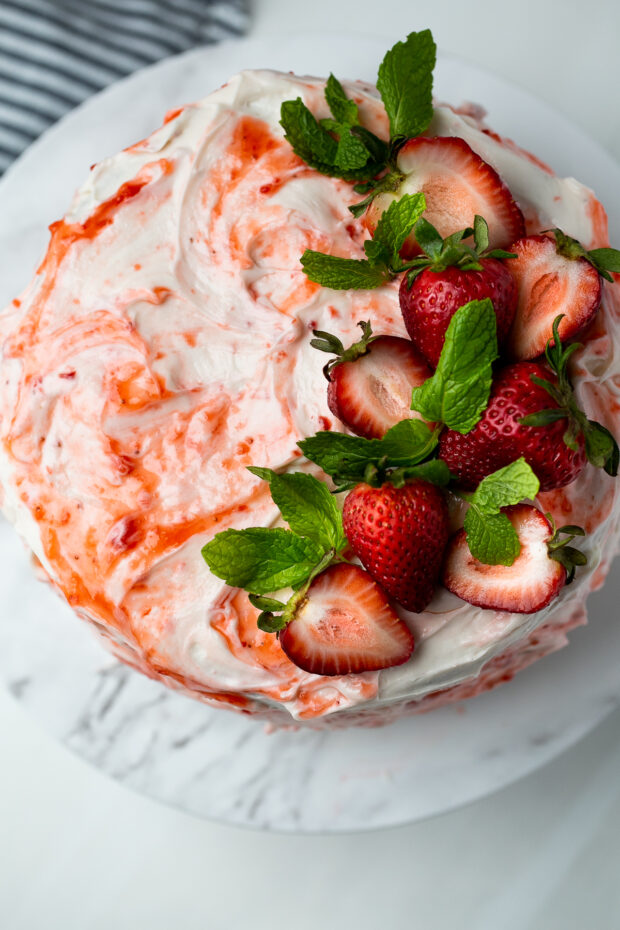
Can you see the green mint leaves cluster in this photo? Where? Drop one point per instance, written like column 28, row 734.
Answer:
column 601, row 447
column 603, row 260
column 341, row 147
column 338, row 146
column 263, row 560
column 491, row 537
column 382, row 260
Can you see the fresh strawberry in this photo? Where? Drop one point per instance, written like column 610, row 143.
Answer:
column 399, row 535
column 499, row 438
column 345, row 625
column 528, row 585
column 453, row 273
column 370, row 383
column 457, row 185
column 550, row 280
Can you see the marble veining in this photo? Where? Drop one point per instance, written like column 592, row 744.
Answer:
column 214, row 763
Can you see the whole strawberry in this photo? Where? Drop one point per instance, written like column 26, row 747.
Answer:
column 399, row 535
column 532, row 412
column 499, row 437
column 451, row 275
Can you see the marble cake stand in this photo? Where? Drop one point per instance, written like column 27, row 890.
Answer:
column 214, row 763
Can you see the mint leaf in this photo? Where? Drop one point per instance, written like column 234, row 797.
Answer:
column 397, row 222
column 343, row 110
column 307, row 506
column 261, row 560
column 377, row 254
column 405, row 83
column 458, row 392
column 506, row 486
column 348, row 458
column 491, row 537
column 351, row 154
column 406, row 443
column 306, row 137
column 342, row 273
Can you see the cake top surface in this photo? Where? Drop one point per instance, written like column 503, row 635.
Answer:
column 164, row 346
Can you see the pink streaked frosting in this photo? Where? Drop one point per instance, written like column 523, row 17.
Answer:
column 163, row 346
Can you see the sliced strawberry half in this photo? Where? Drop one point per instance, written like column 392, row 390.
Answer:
column 346, row 625
column 549, row 283
column 524, row 587
column 373, row 393
column 457, row 185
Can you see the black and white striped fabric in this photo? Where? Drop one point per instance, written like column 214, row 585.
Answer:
column 55, row 53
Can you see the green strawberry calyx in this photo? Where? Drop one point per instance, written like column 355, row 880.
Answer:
column 327, row 342
column 454, row 250
column 600, row 445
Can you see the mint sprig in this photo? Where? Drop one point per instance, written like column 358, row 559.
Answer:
column 335, row 146
column 262, row 560
column 341, row 147
column 401, row 454
column 491, row 537
column 600, row 445
column 382, row 260
column 458, row 392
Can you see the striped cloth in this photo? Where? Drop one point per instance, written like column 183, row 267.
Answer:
column 55, row 53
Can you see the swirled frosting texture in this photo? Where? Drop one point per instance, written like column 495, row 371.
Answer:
column 163, row 346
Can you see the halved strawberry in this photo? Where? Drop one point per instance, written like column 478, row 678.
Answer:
column 346, row 625
column 370, row 383
column 549, row 282
column 373, row 393
column 524, row 587
column 457, row 185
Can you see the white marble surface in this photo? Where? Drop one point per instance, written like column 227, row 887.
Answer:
column 541, row 854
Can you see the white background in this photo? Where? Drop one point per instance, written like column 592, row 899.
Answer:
column 78, row 851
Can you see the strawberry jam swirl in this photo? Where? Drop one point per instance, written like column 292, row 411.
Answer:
column 163, row 346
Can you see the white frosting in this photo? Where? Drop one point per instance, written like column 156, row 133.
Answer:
column 192, row 298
